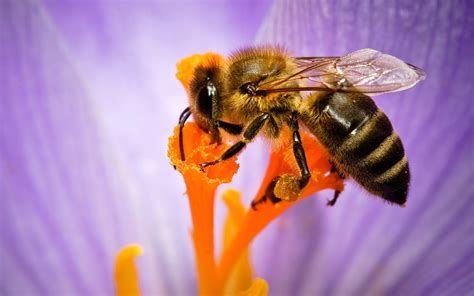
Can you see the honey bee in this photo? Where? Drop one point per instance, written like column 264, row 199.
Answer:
column 261, row 90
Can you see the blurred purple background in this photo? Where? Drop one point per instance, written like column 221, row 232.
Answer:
column 88, row 98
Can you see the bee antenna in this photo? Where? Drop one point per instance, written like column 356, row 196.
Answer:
column 182, row 120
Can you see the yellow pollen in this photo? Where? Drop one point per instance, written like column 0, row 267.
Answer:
column 287, row 187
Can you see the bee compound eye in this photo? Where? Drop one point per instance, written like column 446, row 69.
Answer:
column 204, row 99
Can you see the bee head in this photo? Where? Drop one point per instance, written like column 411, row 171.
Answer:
column 204, row 95
column 199, row 75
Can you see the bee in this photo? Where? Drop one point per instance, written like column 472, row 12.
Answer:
column 261, row 90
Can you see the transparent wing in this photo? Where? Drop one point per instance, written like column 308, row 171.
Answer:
column 366, row 71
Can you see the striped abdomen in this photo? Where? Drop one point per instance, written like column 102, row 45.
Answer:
column 361, row 140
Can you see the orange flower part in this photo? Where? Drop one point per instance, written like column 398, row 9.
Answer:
column 126, row 273
column 241, row 276
column 259, row 288
column 198, row 149
column 256, row 220
column 201, row 188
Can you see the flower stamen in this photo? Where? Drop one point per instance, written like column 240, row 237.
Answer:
column 240, row 278
column 201, row 188
column 126, row 272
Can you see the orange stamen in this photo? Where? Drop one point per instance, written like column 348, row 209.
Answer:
column 259, row 288
column 201, row 188
column 240, row 278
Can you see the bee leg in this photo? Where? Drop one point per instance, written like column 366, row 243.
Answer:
column 298, row 151
column 332, row 202
column 250, row 133
column 233, row 129
column 289, row 187
column 182, row 120
column 268, row 196
column 300, row 156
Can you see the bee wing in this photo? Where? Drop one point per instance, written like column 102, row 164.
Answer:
column 366, row 71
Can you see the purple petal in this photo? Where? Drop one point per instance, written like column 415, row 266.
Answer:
column 89, row 98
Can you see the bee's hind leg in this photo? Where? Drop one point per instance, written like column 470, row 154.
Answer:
column 332, row 202
column 288, row 187
column 298, row 151
column 269, row 195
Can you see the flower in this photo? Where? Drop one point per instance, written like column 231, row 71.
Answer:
column 88, row 99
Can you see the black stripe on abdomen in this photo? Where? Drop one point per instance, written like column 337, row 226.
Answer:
column 374, row 157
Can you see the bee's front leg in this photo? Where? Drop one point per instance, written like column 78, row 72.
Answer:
column 249, row 134
column 182, row 120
